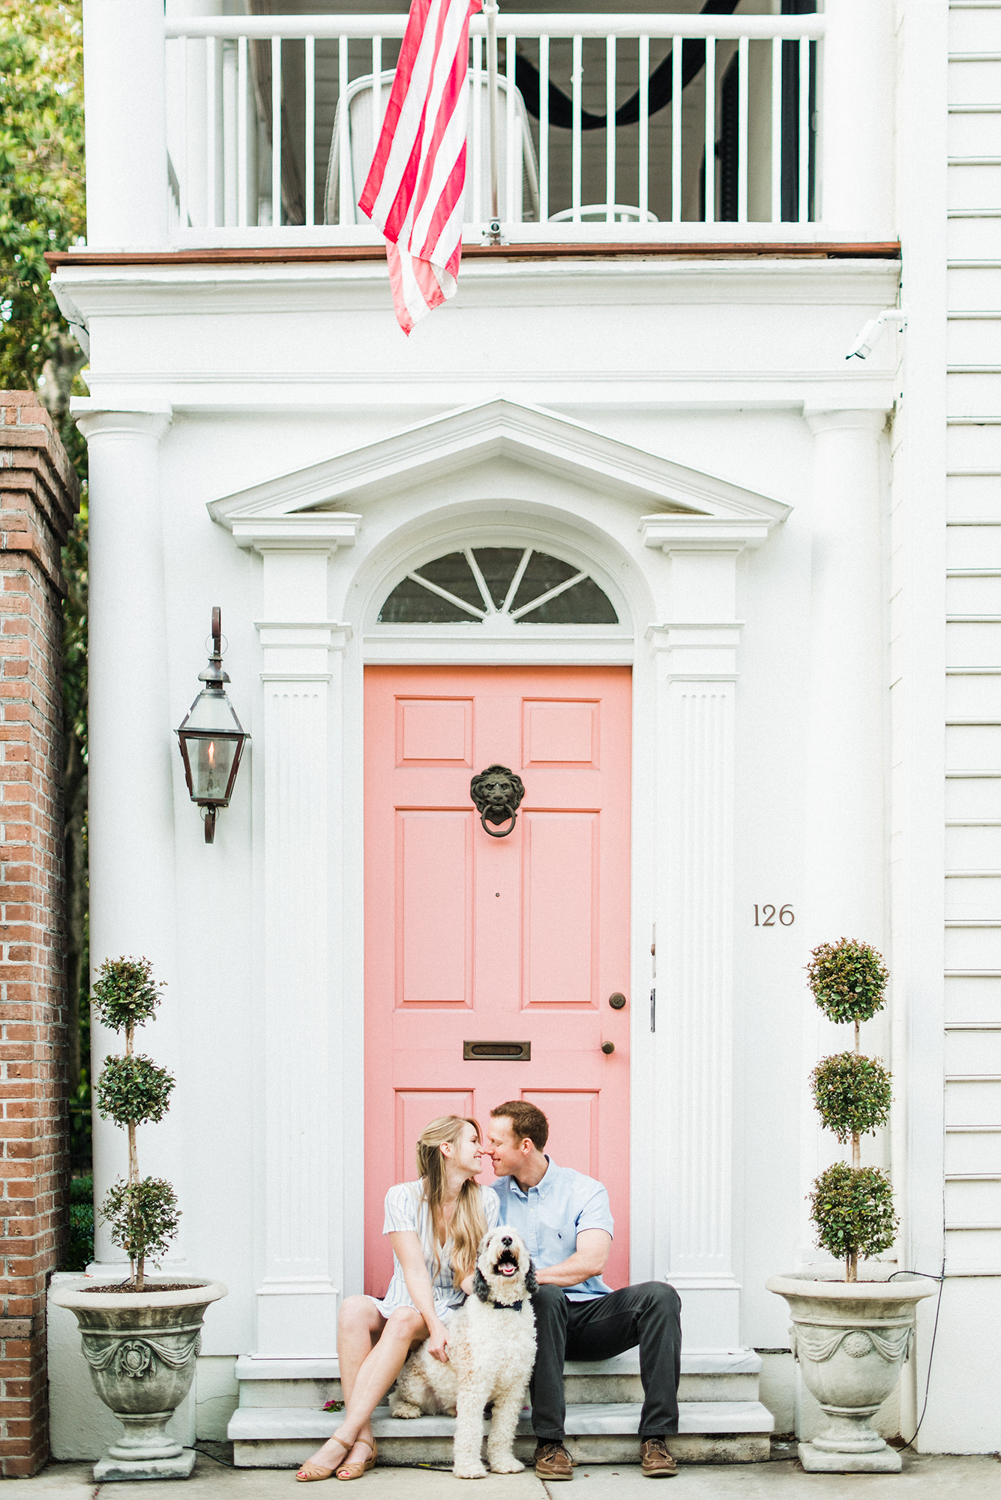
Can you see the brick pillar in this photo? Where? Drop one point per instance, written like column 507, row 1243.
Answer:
column 38, row 497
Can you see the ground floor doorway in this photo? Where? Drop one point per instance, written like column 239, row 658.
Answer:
column 497, row 967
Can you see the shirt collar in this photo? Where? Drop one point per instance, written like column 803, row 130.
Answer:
column 542, row 1187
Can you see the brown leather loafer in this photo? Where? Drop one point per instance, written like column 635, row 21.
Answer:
column 657, row 1462
column 552, row 1461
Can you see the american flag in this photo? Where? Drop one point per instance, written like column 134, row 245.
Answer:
column 415, row 186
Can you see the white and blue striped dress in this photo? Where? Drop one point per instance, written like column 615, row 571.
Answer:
column 407, row 1208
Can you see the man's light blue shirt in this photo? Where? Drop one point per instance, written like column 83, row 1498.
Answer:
column 549, row 1218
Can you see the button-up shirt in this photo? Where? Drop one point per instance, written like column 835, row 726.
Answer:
column 549, row 1218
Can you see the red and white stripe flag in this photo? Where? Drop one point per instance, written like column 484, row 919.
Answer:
column 415, row 186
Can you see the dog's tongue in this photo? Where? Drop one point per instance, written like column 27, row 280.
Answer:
column 508, row 1270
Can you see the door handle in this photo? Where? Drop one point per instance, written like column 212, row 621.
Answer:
column 608, row 1048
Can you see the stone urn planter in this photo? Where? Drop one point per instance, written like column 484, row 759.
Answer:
column 851, row 1340
column 141, row 1348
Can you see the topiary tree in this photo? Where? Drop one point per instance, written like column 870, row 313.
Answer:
column 133, row 1090
column 851, row 1207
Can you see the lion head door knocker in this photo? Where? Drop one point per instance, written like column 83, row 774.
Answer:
column 497, row 794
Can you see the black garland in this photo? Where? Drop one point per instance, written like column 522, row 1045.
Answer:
column 693, row 60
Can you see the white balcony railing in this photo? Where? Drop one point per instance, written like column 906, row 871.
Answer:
column 613, row 126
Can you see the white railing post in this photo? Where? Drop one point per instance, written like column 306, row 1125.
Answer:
column 126, row 114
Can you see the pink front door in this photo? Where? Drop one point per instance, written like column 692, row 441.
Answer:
column 473, row 939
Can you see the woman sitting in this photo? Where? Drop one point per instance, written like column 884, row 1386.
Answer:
column 435, row 1227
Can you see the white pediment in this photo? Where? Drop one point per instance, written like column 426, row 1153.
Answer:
column 318, row 504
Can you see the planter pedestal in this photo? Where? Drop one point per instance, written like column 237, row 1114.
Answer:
column 141, row 1348
column 851, row 1340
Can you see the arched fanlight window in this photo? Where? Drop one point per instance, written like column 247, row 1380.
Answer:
column 529, row 587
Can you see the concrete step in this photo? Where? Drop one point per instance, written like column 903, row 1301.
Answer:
column 280, row 1437
column 724, row 1375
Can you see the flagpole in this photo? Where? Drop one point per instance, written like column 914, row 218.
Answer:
column 490, row 11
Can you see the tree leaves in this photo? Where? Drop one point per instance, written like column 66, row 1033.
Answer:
column 852, row 1208
column 852, row 1094
column 125, row 995
column 133, row 1091
column 41, row 180
column 142, row 1219
column 848, row 980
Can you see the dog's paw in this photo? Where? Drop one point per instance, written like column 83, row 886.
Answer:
column 406, row 1410
column 506, row 1466
column 469, row 1471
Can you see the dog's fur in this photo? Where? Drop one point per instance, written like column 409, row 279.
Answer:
column 491, row 1354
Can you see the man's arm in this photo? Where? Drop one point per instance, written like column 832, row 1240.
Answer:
column 589, row 1259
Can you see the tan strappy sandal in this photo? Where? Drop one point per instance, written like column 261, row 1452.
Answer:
column 355, row 1471
column 310, row 1472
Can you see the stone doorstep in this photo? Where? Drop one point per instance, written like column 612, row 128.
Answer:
column 711, row 1432
column 716, row 1376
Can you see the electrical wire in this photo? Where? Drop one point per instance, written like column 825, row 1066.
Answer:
column 934, row 1335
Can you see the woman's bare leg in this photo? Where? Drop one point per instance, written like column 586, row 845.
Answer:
column 366, row 1376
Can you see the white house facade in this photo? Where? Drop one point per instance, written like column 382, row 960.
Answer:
column 765, row 610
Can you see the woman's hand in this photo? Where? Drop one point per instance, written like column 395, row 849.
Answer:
column 438, row 1341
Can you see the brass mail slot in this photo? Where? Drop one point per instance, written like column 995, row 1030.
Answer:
column 498, row 1051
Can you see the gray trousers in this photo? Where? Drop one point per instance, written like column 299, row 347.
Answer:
column 648, row 1315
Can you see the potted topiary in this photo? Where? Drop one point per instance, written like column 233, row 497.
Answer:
column 140, row 1336
column 851, row 1335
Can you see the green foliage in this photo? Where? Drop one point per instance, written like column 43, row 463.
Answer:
column 41, row 186
column 132, row 1090
column 80, row 1245
column 125, row 994
column 852, row 1094
column 142, row 1217
column 848, row 980
column 852, row 1208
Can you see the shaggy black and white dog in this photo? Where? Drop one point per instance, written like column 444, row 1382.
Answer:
column 491, row 1354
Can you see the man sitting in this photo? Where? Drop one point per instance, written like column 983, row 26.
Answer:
column 565, row 1220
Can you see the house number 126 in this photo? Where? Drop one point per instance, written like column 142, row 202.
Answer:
column 764, row 916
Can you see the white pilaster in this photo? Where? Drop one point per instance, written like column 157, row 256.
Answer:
column 856, row 82
column 696, row 672
column 302, row 660
column 125, row 98
column 132, row 908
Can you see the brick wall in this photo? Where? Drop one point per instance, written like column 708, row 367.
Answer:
column 38, row 497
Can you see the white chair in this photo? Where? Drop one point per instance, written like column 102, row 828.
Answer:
column 598, row 213
column 357, row 100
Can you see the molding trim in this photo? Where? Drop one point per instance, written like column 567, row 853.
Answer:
column 269, row 514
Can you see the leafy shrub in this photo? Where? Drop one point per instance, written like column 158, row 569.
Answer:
column 852, row 1094
column 852, row 1208
column 142, row 1217
column 80, row 1244
column 125, row 995
column 142, row 1213
column 848, row 980
column 133, row 1090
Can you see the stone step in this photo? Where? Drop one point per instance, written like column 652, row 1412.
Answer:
column 711, row 1432
column 727, row 1375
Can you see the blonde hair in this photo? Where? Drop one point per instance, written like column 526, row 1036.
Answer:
column 469, row 1222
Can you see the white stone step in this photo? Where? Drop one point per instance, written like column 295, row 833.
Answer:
column 716, row 1375
column 711, row 1432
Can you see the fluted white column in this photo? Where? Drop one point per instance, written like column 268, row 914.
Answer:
column 696, row 673
column 302, row 649
column 132, row 899
column 125, row 98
